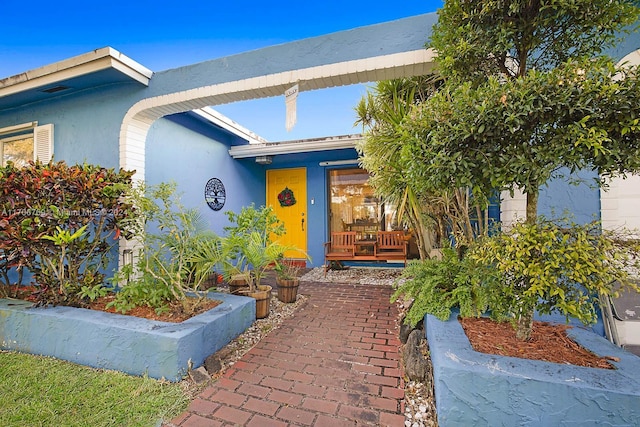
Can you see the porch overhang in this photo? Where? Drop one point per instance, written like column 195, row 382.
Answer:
column 293, row 147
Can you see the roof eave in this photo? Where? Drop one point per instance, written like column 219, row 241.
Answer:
column 294, row 147
column 97, row 60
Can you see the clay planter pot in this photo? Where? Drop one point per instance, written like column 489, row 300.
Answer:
column 263, row 300
column 288, row 289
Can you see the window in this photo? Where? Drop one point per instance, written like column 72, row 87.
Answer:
column 18, row 149
column 354, row 206
column 26, row 142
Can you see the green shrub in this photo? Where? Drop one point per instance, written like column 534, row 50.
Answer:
column 251, row 243
column 175, row 260
column 549, row 267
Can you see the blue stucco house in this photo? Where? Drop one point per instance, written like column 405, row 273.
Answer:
column 104, row 108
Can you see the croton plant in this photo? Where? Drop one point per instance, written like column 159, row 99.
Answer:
column 61, row 223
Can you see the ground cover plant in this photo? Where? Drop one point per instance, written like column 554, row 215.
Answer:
column 41, row 391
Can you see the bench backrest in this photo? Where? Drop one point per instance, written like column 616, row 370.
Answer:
column 391, row 240
column 343, row 240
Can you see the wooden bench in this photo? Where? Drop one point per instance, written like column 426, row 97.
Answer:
column 391, row 245
column 344, row 246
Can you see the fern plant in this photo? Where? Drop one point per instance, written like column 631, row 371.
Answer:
column 438, row 286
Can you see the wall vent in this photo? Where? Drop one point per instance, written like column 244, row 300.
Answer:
column 55, row 89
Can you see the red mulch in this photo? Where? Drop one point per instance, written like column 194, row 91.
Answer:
column 549, row 342
column 175, row 312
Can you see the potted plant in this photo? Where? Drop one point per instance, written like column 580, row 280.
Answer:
column 254, row 258
column 253, row 251
column 287, row 279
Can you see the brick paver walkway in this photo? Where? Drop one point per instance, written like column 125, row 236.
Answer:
column 334, row 363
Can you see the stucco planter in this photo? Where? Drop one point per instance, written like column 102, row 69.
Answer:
column 124, row 343
column 477, row 389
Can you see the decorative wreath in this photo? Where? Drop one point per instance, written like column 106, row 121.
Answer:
column 286, row 197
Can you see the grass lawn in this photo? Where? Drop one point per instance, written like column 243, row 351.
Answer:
column 41, row 391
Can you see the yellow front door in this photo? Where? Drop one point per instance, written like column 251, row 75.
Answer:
column 293, row 215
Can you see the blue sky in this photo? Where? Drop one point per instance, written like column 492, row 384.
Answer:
column 162, row 35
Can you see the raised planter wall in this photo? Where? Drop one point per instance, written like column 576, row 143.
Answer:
column 124, row 343
column 477, row 389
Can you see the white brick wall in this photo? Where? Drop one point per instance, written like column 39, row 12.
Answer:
column 512, row 208
column 620, row 203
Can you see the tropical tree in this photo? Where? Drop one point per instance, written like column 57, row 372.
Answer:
column 524, row 97
column 519, row 133
column 433, row 212
column 528, row 95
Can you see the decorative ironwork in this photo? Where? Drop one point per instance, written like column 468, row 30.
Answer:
column 286, row 197
column 215, row 194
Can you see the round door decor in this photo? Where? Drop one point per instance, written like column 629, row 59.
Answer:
column 286, row 198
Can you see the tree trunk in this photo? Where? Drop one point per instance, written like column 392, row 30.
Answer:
column 524, row 313
column 532, row 206
column 524, row 323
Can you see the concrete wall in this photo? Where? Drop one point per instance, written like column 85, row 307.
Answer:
column 181, row 148
column 398, row 36
column 575, row 197
column 129, row 344
column 621, row 204
column 478, row 389
column 86, row 125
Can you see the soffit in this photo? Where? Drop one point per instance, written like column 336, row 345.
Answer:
column 94, row 69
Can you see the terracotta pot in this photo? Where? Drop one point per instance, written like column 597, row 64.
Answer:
column 288, row 289
column 263, row 300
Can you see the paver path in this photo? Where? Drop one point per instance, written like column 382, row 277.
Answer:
column 334, row 363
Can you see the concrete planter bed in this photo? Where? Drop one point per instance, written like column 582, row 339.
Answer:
column 124, row 343
column 477, row 389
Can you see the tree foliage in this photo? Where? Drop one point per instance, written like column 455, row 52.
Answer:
column 476, row 39
column 527, row 94
column 524, row 96
column 520, row 133
column 434, row 213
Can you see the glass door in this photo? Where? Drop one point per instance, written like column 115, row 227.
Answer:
column 353, row 205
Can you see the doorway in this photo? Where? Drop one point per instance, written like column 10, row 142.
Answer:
column 293, row 212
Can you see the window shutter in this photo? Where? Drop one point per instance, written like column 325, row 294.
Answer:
column 43, row 142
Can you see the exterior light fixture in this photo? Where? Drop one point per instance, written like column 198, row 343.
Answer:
column 264, row 160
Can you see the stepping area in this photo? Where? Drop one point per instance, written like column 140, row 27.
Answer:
column 336, row 362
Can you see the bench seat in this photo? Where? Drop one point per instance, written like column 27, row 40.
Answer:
column 344, row 246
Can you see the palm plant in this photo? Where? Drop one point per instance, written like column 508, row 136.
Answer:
column 177, row 258
column 432, row 213
column 254, row 257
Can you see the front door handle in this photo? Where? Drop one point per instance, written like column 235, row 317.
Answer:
column 302, row 224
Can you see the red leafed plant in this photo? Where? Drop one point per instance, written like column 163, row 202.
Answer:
column 61, row 223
